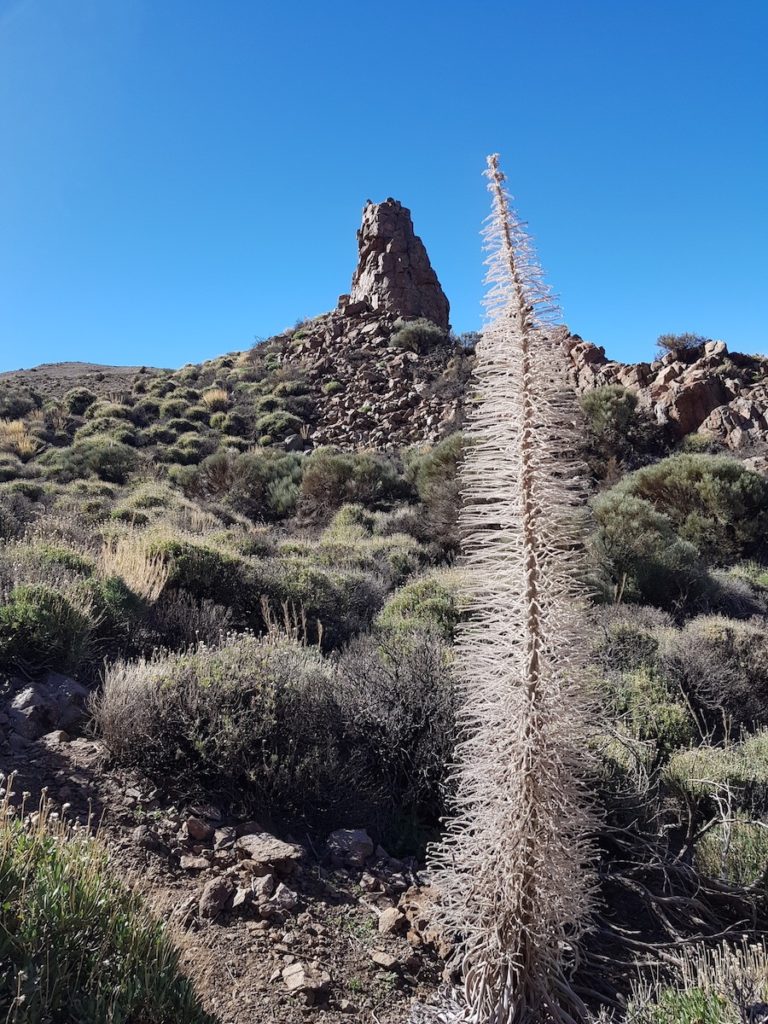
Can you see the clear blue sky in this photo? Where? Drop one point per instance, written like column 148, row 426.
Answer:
column 178, row 176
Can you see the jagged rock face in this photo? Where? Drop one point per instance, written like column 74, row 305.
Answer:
column 706, row 391
column 393, row 273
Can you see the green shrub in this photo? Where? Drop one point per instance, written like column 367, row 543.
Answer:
column 712, row 502
column 173, row 407
column 75, row 944
column 737, row 852
column 336, row 604
column 16, row 401
column 332, row 479
column 418, row 335
column 202, row 571
column 627, row 637
column 278, row 424
column 102, row 409
column 434, row 473
column 428, row 603
column 199, row 414
column 617, row 432
column 78, row 400
column 43, row 628
column 108, row 460
column 711, row 985
column 332, row 387
column 705, row 771
column 640, row 553
column 644, row 701
column 261, row 487
column 181, row 425
column 159, row 433
column 722, row 665
column 111, row 429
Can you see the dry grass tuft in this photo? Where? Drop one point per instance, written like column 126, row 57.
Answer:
column 216, row 399
column 128, row 557
column 15, row 438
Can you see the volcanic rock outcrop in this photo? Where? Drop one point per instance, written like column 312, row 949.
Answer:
column 704, row 390
column 393, row 273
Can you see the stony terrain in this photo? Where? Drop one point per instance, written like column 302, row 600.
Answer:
column 706, row 390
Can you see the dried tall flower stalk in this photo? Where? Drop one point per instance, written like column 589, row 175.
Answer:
column 514, row 868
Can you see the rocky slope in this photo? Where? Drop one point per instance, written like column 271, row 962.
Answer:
column 704, row 390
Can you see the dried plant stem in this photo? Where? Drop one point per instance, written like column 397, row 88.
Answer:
column 514, row 869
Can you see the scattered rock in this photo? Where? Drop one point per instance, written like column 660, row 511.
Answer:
column 217, row 896
column 267, row 851
column 310, row 982
column 384, row 960
column 391, row 921
column 351, row 847
column 192, row 863
column 198, row 830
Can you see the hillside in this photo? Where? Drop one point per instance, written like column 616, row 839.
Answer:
column 228, row 599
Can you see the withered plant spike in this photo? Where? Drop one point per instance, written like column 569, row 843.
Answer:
column 514, row 869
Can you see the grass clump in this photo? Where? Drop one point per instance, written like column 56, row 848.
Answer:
column 77, row 946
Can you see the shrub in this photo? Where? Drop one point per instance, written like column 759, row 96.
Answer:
column 644, row 701
column 335, row 604
column 261, row 487
column 400, row 700
column 332, row 387
column 272, row 726
column 712, row 501
column 626, row 636
column 736, row 851
column 181, row 425
column 722, row 665
column 76, row 944
column 720, row 985
column 706, row 771
column 109, row 460
column 173, row 407
column 418, row 335
column 638, row 550
column 617, row 432
column 42, row 628
column 429, row 603
column 278, row 424
column 111, row 429
column 332, row 479
column 16, row 401
column 205, row 573
column 434, row 473
column 679, row 344
column 250, row 719
column 159, row 433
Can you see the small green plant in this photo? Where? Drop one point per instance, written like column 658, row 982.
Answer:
column 44, row 628
column 75, row 944
column 419, row 335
